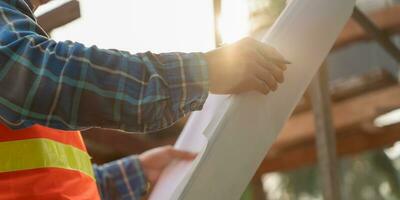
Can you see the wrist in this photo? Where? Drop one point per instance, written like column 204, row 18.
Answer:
column 141, row 164
column 211, row 59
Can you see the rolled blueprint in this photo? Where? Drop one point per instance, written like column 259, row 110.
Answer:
column 234, row 133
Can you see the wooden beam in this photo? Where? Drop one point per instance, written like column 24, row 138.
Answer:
column 295, row 146
column 351, row 87
column 346, row 113
column 349, row 142
column 387, row 20
column 60, row 16
column 378, row 35
column 358, row 85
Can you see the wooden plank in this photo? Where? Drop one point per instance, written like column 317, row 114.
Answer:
column 343, row 89
column 346, row 113
column 60, row 16
column 295, row 146
column 387, row 20
column 349, row 142
column 377, row 34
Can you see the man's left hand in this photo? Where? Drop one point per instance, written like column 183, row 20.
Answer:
column 155, row 160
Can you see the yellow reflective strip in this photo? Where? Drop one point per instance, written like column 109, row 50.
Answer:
column 42, row 153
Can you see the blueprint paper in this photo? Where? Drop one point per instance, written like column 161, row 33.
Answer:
column 176, row 176
column 233, row 133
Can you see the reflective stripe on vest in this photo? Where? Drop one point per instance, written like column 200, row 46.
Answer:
column 40, row 163
column 42, row 153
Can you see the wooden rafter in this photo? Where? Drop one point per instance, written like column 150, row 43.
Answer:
column 60, row 16
column 352, row 142
column 295, row 146
column 387, row 20
column 345, row 114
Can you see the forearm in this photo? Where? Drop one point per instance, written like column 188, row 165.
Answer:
column 121, row 179
column 66, row 85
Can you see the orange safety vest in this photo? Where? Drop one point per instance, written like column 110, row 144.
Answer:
column 44, row 163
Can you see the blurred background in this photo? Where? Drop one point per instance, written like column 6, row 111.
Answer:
column 362, row 82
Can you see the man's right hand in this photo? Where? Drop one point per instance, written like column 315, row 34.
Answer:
column 245, row 66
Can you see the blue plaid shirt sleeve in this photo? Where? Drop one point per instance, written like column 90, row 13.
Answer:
column 121, row 179
column 66, row 85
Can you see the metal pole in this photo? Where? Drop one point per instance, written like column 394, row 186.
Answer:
column 380, row 36
column 325, row 134
column 217, row 13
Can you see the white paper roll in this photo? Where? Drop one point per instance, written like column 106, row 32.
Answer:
column 234, row 133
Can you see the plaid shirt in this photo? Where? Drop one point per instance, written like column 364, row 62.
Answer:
column 66, row 85
column 121, row 179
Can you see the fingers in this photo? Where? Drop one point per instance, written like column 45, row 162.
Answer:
column 268, row 52
column 281, row 66
column 179, row 154
column 276, row 72
column 265, row 66
column 267, row 79
column 260, row 86
column 271, row 53
column 243, row 66
column 270, row 74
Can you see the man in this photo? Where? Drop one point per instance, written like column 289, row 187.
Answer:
column 49, row 89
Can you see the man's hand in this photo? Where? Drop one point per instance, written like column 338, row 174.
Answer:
column 155, row 160
column 244, row 66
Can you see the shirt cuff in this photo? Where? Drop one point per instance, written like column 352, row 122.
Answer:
column 121, row 179
column 186, row 78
